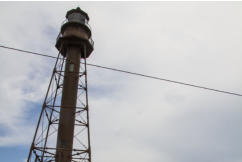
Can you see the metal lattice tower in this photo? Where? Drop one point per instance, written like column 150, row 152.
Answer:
column 62, row 133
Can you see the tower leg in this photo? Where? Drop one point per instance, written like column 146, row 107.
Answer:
column 40, row 149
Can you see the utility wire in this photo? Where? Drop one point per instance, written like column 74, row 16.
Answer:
column 167, row 80
column 132, row 73
column 20, row 50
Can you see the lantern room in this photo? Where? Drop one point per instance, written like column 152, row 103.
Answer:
column 75, row 31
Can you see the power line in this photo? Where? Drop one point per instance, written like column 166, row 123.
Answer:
column 132, row 73
column 30, row 52
column 167, row 80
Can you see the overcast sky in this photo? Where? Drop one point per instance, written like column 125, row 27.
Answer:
column 132, row 119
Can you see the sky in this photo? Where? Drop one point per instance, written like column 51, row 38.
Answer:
column 132, row 118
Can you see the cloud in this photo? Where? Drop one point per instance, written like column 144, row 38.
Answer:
column 133, row 118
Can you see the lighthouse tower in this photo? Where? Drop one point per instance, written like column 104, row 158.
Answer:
column 62, row 133
column 75, row 44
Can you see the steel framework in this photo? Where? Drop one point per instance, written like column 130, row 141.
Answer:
column 44, row 145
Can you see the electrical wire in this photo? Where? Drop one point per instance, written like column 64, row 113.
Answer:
column 132, row 73
column 30, row 52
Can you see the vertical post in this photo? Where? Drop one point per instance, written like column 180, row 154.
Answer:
column 68, row 105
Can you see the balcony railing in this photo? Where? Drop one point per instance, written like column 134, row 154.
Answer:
column 90, row 39
column 85, row 23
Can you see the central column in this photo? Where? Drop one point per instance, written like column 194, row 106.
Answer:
column 68, row 105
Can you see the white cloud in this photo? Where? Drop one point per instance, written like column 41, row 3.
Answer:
column 132, row 118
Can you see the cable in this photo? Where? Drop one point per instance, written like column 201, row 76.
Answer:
column 133, row 73
column 167, row 80
column 34, row 53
